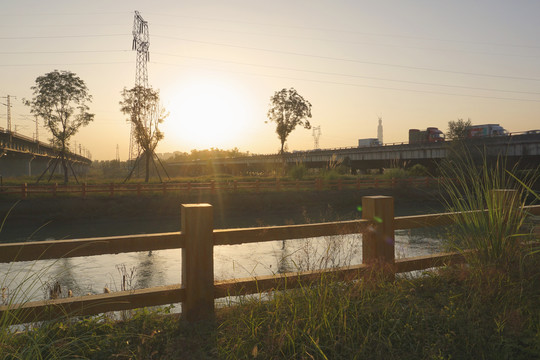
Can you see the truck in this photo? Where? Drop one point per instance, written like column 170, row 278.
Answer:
column 430, row 135
column 486, row 130
column 369, row 142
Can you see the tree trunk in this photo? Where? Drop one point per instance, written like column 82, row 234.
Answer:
column 147, row 164
column 64, row 166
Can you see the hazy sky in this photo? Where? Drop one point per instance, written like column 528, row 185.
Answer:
column 216, row 63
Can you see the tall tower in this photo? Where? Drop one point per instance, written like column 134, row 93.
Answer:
column 141, row 43
column 316, row 136
column 379, row 131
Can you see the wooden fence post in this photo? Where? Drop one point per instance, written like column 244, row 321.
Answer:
column 164, row 185
column 139, row 190
column 235, row 185
column 198, row 261
column 83, row 189
column 55, row 189
column 111, row 190
column 378, row 244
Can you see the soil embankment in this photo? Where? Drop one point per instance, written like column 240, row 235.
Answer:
column 72, row 217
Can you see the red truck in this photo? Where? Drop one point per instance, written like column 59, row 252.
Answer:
column 430, row 135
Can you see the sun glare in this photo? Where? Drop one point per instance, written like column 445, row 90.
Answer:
column 207, row 114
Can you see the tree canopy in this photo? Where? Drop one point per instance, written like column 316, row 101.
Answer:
column 288, row 109
column 142, row 106
column 60, row 99
column 457, row 130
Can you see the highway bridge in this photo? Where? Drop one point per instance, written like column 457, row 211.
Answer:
column 522, row 148
column 21, row 155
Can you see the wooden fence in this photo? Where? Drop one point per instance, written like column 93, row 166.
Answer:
column 197, row 238
column 84, row 189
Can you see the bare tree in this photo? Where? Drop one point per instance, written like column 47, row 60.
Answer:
column 60, row 98
column 142, row 106
column 288, row 109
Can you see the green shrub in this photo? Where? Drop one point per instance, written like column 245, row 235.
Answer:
column 419, row 170
column 298, row 172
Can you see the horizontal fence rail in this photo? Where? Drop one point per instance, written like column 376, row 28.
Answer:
column 83, row 190
column 197, row 239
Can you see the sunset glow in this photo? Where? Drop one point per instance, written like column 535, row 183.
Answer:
column 206, row 114
column 216, row 65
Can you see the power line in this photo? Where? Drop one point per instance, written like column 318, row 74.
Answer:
column 343, row 41
column 368, row 86
column 66, row 64
column 350, row 60
column 353, row 32
column 353, row 75
column 57, row 36
column 61, row 52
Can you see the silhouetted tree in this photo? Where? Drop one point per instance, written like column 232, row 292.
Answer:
column 288, row 109
column 457, row 130
column 145, row 114
column 60, row 98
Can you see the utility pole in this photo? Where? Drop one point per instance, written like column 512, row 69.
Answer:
column 117, row 153
column 8, row 104
column 37, row 127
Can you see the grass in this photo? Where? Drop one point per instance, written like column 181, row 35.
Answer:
column 488, row 309
column 455, row 313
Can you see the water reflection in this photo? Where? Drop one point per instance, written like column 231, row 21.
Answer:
column 91, row 274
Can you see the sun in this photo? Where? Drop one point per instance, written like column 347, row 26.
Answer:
column 207, row 113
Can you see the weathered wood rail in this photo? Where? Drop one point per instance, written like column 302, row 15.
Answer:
column 112, row 189
column 197, row 239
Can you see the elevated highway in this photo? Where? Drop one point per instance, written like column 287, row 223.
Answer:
column 522, row 148
column 21, row 155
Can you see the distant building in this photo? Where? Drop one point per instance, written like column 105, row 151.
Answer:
column 379, row 132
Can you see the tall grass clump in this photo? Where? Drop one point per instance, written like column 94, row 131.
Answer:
column 487, row 198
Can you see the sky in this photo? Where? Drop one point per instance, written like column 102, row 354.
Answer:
column 216, row 63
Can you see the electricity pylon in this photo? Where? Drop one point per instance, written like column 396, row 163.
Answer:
column 316, row 135
column 141, row 43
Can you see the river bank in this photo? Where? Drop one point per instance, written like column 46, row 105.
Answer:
column 72, row 217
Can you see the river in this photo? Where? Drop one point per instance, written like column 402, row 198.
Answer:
column 92, row 274
column 64, row 218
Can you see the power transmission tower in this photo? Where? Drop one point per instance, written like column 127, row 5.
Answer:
column 141, row 43
column 316, row 135
column 149, row 119
column 8, row 105
column 117, row 153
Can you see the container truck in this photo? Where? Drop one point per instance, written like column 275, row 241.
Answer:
column 486, row 130
column 430, row 135
column 369, row 142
